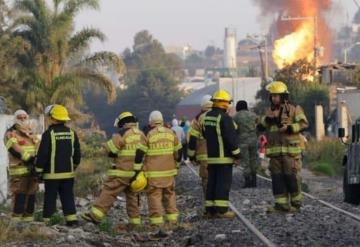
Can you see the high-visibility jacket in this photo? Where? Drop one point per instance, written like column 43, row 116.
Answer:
column 59, row 153
column 161, row 149
column 21, row 147
column 197, row 143
column 284, row 142
column 122, row 147
column 219, row 131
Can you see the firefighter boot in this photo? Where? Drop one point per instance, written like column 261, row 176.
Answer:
column 227, row 215
column 247, row 183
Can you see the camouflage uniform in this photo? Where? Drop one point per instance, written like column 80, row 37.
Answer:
column 247, row 139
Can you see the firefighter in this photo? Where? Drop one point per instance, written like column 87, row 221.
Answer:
column 247, row 139
column 284, row 121
column 121, row 148
column 197, row 149
column 162, row 156
column 222, row 149
column 58, row 157
column 21, row 144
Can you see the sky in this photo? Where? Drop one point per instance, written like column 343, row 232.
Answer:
column 180, row 22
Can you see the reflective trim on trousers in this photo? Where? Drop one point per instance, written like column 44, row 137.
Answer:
column 221, row 203
column 209, row 203
column 63, row 175
column 161, row 174
column 172, row 217
column 226, row 161
column 156, row 220
column 135, row 221
column 120, row 173
column 137, row 167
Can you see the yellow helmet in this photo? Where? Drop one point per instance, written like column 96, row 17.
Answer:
column 277, row 87
column 121, row 117
column 221, row 95
column 139, row 183
column 60, row 113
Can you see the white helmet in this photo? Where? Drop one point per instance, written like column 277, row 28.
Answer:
column 156, row 117
column 206, row 102
column 48, row 110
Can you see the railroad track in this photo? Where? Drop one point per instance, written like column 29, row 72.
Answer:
column 325, row 203
column 268, row 228
column 242, row 218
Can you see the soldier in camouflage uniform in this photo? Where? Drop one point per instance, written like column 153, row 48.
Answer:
column 247, row 139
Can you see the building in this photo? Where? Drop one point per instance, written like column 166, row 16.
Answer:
column 242, row 88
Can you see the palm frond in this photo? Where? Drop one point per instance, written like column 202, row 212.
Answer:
column 106, row 59
column 83, row 38
column 93, row 77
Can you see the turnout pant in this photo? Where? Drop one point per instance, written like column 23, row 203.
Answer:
column 203, row 172
column 65, row 189
column 111, row 189
column 218, row 188
column 23, row 190
column 160, row 200
column 286, row 180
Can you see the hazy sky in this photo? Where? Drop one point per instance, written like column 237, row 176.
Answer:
column 179, row 22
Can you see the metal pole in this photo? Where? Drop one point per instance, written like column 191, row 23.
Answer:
column 266, row 58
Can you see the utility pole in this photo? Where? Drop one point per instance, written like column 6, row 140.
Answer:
column 262, row 46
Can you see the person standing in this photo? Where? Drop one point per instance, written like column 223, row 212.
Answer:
column 57, row 158
column 197, row 149
column 247, row 139
column 283, row 122
column 222, row 148
column 161, row 156
column 121, row 148
column 21, row 144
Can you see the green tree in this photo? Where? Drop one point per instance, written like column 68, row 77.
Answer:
column 152, row 83
column 58, row 66
column 10, row 48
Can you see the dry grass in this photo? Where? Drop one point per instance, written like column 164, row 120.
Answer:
column 12, row 231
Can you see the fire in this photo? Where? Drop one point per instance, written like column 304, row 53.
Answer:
column 296, row 32
column 295, row 46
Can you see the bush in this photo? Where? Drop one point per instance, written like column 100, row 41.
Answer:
column 325, row 157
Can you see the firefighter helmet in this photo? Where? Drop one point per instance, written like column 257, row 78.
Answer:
column 122, row 116
column 139, row 183
column 277, row 87
column 221, row 95
column 60, row 113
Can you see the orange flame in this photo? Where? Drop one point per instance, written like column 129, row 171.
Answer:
column 295, row 46
column 296, row 36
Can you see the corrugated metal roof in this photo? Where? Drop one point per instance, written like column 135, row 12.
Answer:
column 196, row 96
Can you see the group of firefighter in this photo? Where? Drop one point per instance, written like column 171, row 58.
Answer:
column 148, row 161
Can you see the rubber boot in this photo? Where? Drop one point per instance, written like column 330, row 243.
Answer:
column 247, row 183
column 253, row 181
column 227, row 215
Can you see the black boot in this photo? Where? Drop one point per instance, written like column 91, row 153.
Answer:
column 253, row 181
column 247, row 183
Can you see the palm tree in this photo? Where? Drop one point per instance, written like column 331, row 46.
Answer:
column 57, row 67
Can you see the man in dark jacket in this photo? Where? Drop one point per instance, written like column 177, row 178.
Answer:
column 57, row 158
column 219, row 132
